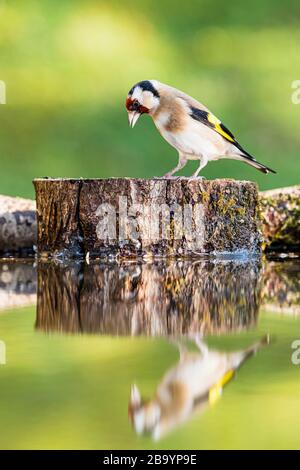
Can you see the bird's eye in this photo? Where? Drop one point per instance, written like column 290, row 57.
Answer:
column 136, row 105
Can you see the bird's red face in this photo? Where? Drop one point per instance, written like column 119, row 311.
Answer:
column 143, row 98
column 134, row 109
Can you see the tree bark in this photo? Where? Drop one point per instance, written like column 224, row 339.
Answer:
column 58, row 220
column 146, row 218
column 18, row 230
column 280, row 210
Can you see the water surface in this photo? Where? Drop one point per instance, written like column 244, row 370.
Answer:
column 73, row 353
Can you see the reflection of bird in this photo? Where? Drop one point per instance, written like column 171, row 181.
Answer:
column 193, row 384
column 187, row 125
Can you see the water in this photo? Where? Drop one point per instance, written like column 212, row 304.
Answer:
column 75, row 339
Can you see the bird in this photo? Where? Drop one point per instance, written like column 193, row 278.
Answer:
column 187, row 125
column 192, row 385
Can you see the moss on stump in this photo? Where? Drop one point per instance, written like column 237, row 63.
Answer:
column 280, row 210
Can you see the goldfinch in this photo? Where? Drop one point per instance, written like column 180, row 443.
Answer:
column 187, row 125
column 194, row 383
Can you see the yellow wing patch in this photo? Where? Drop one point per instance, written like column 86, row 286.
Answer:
column 215, row 391
column 219, row 127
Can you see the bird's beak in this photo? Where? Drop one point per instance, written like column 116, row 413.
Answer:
column 133, row 117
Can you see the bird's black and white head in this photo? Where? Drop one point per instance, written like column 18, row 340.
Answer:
column 143, row 98
column 144, row 414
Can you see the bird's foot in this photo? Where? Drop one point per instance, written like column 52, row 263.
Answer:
column 196, row 178
column 169, row 176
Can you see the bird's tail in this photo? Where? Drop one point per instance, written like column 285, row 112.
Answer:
column 259, row 166
column 238, row 358
column 264, row 341
column 246, row 157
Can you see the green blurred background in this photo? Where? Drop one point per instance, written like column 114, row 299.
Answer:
column 68, row 66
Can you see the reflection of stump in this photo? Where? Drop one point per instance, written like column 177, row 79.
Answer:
column 281, row 289
column 151, row 299
column 137, row 217
column 17, row 284
column 58, row 298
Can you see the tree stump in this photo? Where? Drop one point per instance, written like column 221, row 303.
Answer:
column 280, row 210
column 127, row 217
column 17, row 224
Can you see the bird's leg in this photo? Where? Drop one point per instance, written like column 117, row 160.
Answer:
column 202, row 164
column 181, row 347
column 181, row 163
column 196, row 338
